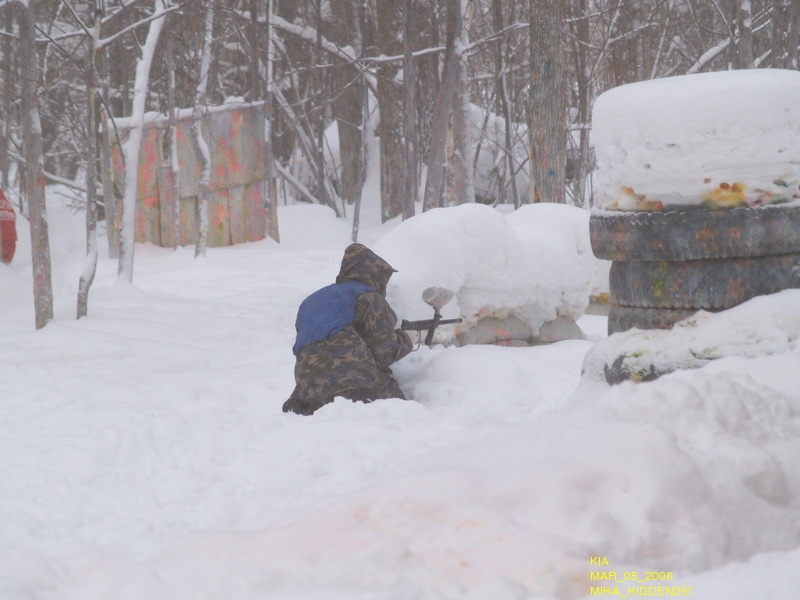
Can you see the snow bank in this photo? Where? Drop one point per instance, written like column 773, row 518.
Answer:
column 719, row 139
column 761, row 326
column 723, row 444
column 535, row 263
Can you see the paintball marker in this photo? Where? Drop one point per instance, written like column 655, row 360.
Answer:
column 435, row 297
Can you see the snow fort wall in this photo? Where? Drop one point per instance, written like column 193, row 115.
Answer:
column 522, row 277
column 237, row 204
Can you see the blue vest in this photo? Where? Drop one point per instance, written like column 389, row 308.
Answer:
column 326, row 312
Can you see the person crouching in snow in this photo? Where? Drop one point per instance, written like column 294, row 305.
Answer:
column 346, row 337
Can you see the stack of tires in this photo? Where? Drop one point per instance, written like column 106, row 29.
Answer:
column 667, row 265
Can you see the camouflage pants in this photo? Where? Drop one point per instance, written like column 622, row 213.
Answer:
column 341, row 365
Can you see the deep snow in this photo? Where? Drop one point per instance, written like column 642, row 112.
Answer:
column 143, row 453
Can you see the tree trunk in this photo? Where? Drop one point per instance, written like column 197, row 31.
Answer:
column 547, row 110
column 320, row 108
column 201, row 147
column 348, row 105
column 792, row 35
column 8, row 97
column 256, row 87
column 390, row 104
column 434, row 184
column 427, row 70
column 110, row 190
column 409, row 113
column 778, row 34
column 172, row 148
column 295, row 52
column 271, row 191
column 463, row 189
column 34, row 178
column 583, row 89
column 744, row 24
column 505, row 108
column 132, row 146
column 90, row 264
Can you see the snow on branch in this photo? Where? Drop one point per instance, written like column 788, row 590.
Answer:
column 498, row 35
column 344, row 52
column 310, row 34
column 156, row 15
column 708, row 56
column 78, row 19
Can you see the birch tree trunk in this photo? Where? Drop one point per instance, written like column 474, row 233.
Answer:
column 110, row 189
column 90, row 263
column 271, row 195
column 504, row 109
column 547, row 109
column 34, row 178
column 132, row 146
column 203, row 153
column 172, row 143
column 463, row 190
column 434, row 184
column 262, row 87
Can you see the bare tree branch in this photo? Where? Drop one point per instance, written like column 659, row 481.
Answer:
column 156, row 15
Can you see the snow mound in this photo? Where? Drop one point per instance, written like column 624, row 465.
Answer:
column 534, row 264
column 764, row 325
column 718, row 139
column 728, row 442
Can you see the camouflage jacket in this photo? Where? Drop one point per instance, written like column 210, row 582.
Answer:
column 354, row 360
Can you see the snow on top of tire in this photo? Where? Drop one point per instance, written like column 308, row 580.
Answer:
column 719, row 139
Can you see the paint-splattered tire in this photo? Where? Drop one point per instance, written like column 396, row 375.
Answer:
column 696, row 233
column 620, row 371
column 709, row 284
column 622, row 318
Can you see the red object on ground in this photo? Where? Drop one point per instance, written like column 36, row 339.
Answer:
column 8, row 228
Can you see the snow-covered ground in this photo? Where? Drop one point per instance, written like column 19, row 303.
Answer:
column 144, row 454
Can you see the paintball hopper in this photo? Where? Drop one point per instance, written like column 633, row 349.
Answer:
column 437, row 297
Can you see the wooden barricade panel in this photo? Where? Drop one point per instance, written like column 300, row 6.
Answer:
column 238, row 171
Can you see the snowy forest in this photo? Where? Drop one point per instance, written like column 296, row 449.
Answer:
column 470, row 99
column 586, row 414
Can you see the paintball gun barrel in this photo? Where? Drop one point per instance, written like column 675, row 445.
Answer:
column 435, row 297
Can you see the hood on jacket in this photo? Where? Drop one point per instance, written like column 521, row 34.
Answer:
column 361, row 264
